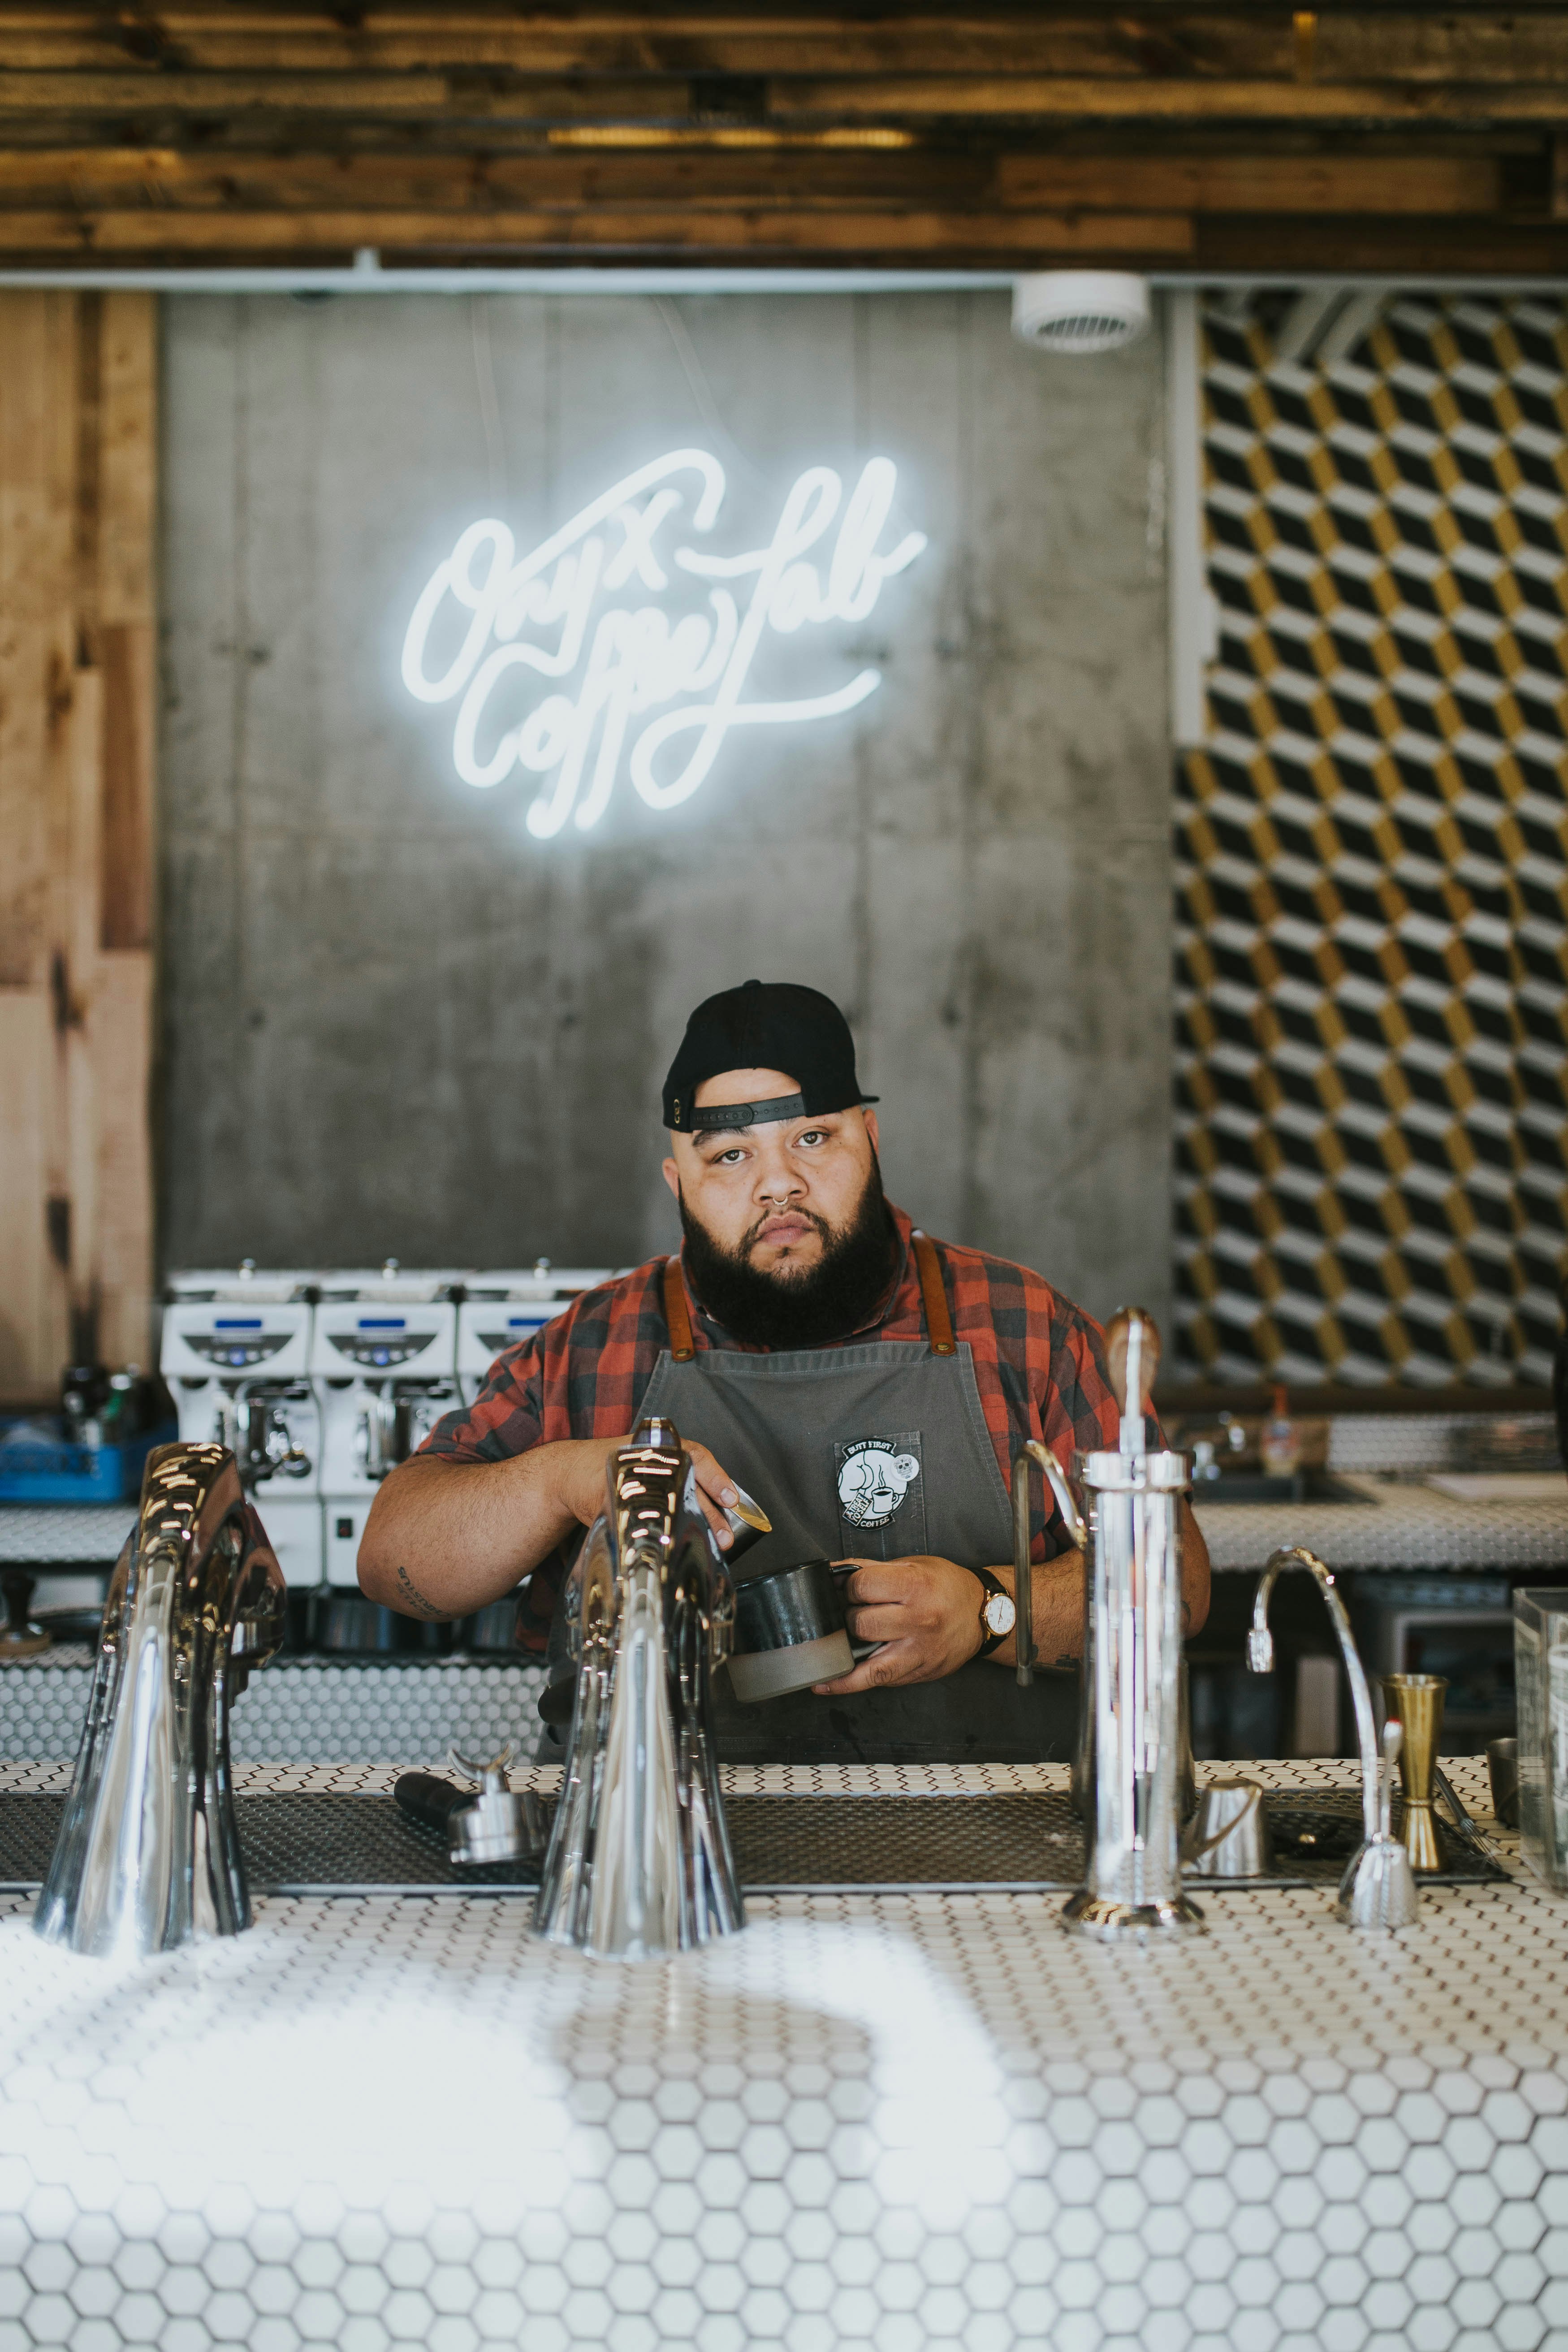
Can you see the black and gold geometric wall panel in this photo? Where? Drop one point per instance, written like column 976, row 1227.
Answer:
column 1372, row 856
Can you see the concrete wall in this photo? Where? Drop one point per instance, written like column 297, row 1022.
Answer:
column 394, row 1022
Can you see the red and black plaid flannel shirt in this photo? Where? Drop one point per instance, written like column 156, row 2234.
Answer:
column 1039, row 1366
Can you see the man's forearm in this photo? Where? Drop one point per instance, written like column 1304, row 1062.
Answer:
column 444, row 1538
column 1194, row 1573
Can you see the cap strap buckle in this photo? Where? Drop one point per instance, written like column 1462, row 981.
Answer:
column 727, row 1115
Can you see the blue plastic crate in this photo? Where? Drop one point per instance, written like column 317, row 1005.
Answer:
column 55, row 1471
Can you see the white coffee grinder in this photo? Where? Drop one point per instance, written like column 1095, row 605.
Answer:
column 235, row 1356
column 501, row 1309
column 383, row 1365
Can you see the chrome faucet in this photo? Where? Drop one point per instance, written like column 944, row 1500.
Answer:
column 148, row 1853
column 1378, row 1889
column 1128, row 1764
column 640, row 1862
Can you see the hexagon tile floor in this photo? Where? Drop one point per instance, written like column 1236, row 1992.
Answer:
column 887, row 2122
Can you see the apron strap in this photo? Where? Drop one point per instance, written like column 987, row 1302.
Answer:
column 682, row 1346
column 933, row 1295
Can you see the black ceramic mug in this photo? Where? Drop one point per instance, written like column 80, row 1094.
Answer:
column 790, row 1630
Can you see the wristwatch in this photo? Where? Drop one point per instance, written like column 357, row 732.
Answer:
column 997, row 1613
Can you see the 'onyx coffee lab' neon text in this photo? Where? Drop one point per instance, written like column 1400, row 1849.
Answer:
column 541, row 614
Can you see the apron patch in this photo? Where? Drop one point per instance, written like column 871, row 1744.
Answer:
column 882, row 1494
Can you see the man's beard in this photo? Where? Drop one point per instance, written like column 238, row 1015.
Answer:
column 829, row 1299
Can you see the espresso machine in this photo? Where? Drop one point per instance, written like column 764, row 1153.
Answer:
column 235, row 1358
column 498, row 1310
column 384, row 1366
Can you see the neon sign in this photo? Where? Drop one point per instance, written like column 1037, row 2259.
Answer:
column 544, row 616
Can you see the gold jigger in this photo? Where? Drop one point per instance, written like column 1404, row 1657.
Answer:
column 1417, row 1701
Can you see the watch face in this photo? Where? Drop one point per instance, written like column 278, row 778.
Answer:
column 1000, row 1614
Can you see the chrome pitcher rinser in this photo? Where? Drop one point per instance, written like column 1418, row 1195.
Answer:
column 1131, row 1538
column 1378, row 1891
column 148, row 1853
column 640, row 1862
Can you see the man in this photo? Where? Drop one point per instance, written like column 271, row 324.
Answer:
column 869, row 1387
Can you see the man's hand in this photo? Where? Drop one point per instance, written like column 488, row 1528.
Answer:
column 578, row 1470
column 925, row 1611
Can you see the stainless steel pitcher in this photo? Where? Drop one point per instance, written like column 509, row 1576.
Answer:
column 1131, row 1739
column 640, row 1862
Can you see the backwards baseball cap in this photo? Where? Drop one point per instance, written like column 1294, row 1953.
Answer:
column 764, row 1025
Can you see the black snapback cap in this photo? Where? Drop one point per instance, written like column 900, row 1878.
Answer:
column 764, row 1025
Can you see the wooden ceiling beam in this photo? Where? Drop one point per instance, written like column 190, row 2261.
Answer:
column 1016, row 98
column 86, row 180
column 1065, row 98
column 1383, row 248
column 1348, row 43
column 256, row 131
column 1138, row 239
column 842, row 235
column 536, row 99
column 91, row 180
column 1262, row 182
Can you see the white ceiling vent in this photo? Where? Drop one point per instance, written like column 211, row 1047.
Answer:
column 1080, row 310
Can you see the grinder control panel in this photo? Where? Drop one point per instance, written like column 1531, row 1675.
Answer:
column 238, row 1341
column 381, row 1342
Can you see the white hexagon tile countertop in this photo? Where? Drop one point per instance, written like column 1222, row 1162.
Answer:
column 885, row 2121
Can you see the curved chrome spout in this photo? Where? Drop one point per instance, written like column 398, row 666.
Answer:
column 1260, row 1659
column 148, row 1853
column 1378, row 1890
column 1056, row 1478
column 639, row 1860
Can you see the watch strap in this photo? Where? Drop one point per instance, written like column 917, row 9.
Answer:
column 992, row 1586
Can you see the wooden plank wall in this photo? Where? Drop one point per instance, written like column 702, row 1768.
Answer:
column 77, row 456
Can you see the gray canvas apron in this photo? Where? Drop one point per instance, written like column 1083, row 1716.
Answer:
column 873, row 1451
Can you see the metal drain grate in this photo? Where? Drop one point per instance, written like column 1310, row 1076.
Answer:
column 360, row 1845
column 28, row 1827
column 959, row 1843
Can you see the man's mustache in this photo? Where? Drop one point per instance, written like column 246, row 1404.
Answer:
column 819, row 1225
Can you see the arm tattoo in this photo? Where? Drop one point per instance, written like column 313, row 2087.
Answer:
column 412, row 1594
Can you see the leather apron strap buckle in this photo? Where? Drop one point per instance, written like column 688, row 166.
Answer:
column 682, row 1346
column 933, row 1296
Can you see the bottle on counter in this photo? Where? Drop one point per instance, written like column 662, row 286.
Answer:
column 120, row 1416
column 1280, row 1444
column 84, row 1390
